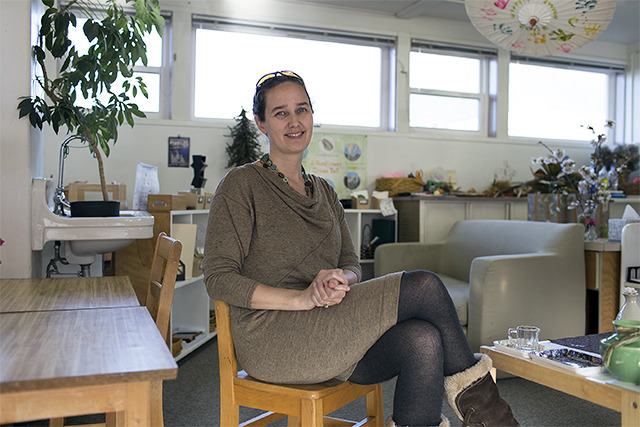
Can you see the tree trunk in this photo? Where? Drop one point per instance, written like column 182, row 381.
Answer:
column 96, row 152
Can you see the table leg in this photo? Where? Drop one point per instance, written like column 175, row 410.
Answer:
column 137, row 407
column 494, row 373
column 157, row 418
column 630, row 409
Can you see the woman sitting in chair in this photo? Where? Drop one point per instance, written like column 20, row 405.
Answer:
column 278, row 250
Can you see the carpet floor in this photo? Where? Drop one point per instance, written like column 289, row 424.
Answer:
column 193, row 399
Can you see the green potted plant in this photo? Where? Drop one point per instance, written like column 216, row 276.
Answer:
column 115, row 45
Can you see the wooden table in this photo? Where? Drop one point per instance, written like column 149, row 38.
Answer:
column 76, row 346
column 77, row 362
column 20, row 295
column 624, row 399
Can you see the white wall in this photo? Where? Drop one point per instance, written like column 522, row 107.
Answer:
column 16, row 162
column 474, row 159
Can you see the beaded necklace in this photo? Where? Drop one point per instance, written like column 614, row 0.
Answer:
column 268, row 164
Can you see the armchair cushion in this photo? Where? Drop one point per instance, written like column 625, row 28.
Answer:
column 459, row 292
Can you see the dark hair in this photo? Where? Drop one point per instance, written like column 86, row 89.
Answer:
column 259, row 99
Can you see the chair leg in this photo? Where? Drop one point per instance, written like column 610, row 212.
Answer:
column 311, row 413
column 375, row 405
column 229, row 411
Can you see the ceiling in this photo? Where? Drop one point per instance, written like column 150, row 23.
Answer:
column 624, row 28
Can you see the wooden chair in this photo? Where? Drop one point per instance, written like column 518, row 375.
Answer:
column 162, row 282
column 305, row 405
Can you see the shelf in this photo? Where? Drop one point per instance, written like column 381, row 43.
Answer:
column 190, row 212
column 195, row 344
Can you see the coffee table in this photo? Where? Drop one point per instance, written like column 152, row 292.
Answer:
column 621, row 397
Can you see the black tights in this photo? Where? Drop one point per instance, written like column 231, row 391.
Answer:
column 425, row 345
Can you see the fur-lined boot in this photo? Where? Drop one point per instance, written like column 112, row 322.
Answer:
column 444, row 422
column 474, row 397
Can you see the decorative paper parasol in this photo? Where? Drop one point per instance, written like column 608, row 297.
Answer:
column 541, row 27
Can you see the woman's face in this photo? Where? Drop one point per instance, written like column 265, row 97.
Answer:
column 288, row 119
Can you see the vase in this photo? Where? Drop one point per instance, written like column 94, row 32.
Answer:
column 591, row 232
column 549, row 207
column 621, row 351
column 630, row 309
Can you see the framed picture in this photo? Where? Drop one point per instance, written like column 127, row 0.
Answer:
column 178, row 152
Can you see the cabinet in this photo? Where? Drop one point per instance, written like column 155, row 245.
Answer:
column 428, row 219
column 356, row 220
column 602, row 268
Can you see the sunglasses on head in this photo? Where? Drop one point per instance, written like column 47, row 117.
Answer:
column 269, row 76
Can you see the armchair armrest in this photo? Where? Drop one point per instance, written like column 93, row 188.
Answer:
column 542, row 289
column 392, row 257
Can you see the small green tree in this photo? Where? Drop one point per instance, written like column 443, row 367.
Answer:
column 115, row 45
column 245, row 147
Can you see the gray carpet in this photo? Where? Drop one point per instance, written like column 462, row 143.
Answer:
column 193, row 399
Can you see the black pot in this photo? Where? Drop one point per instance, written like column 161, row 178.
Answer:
column 93, row 208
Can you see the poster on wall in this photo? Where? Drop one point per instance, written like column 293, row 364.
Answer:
column 178, row 152
column 340, row 159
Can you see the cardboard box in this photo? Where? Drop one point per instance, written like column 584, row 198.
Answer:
column 166, row 202
column 360, row 203
column 194, row 201
column 375, row 203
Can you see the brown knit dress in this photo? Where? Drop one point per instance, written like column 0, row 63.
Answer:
column 263, row 231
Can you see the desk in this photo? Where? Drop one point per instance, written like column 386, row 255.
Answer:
column 624, row 399
column 77, row 362
column 20, row 295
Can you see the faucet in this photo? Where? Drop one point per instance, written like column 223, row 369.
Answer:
column 59, row 199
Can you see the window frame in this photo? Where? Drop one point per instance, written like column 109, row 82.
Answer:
column 164, row 70
column 616, row 90
column 487, row 95
column 388, row 44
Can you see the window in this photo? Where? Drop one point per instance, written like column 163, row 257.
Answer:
column 555, row 99
column 347, row 75
column 155, row 74
column 452, row 87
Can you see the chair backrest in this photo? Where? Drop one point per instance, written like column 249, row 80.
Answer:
column 162, row 281
column 226, row 350
column 471, row 239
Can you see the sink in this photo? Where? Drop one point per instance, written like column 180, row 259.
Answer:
column 83, row 237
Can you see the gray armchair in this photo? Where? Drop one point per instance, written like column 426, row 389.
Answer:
column 502, row 274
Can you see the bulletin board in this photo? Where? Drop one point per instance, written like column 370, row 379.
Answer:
column 340, row 159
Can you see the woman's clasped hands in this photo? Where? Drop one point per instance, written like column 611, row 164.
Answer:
column 329, row 287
